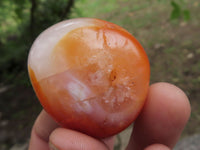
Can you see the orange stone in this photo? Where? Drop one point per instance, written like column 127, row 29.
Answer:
column 94, row 79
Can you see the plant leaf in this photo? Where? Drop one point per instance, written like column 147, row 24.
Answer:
column 186, row 15
column 176, row 12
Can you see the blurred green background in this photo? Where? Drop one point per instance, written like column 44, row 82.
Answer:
column 169, row 31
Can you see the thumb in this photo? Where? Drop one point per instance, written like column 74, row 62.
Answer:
column 65, row 139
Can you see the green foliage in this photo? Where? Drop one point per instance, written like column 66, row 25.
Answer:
column 88, row 8
column 178, row 11
column 186, row 15
column 20, row 22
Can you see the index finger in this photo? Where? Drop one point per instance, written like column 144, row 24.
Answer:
column 43, row 127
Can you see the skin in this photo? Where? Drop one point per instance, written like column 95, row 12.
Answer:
column 158, row 127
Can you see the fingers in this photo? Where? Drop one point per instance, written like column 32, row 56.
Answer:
column 65, row 139
column 45, row 127
column 157, row 147
column 42, row 128
column 162, row 119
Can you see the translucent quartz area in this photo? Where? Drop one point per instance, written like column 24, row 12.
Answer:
column 97, row 78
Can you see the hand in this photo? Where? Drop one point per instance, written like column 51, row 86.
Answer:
column 158, row 126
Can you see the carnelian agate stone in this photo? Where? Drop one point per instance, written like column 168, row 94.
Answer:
column 89, row 75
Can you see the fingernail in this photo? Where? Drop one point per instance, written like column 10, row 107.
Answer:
column 52, row 147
